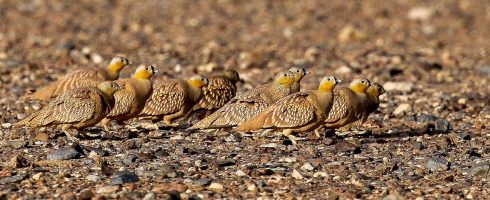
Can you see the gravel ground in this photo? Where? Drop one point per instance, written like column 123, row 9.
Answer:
column 430, row 137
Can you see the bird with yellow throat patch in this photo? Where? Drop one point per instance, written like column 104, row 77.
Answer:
column 81, row 78
column 131, row 99
column 349, row 104
column 75, row 109
column 299, row 112
column 248, row 104
column 174, row 98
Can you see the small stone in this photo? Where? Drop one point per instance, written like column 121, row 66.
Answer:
column 296, row 174
column 86, row 194
column 405, row 87
column 37, row 176
column 350, row 33
column 93, row 178
column 65, row 153
column 402, row 109
column 426, row 118
column 442, row 125
column 42, row 137
column 12, row 179
column 464, row 136
column 240, row 173
column 270, row 145
column 312, row 54
column 169, row 187
column 437, row 164
column 249, row 59
column 481, row 169
column 345, row 146
column 418, row 146
column 149, row 196
column 202, row 182
column 18, row 162
column 110, row 189
column 343, row 70
column 392, row 197
column 320, row 174
column 420, row 13
column 6, row 125
column 307, row 167
column 121, row 177
column 216, row 186
column 251, row 187
column 97, row 59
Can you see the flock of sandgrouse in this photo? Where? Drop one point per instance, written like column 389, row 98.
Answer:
column 85, row 97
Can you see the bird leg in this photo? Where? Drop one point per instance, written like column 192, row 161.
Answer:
column 169, row 118
column 105, row 123
column 70, row 133
column 267, row 131
column 289, row 133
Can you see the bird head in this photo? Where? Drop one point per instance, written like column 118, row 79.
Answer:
column 109, row 87
column 284, row 78
column 232, row 75
column 328, row 83
column 375, row 90
column 118, row 63
column 298, row 73
column 360, row 85
column 198, row 81
column 145, row 72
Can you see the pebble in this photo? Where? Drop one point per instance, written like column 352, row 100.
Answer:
column 426, row 118
column 65, row 153
column 350, row 33
column 437, row 164
column 202, row 182
column 12, row 179
column 42, row 137
column 216, row 187
column 402, row 109
column 108, row 189
column 442, row 125
column 420, row 13
column 307, row 167
column 479, row 169
column 343, row 70
column 270, row 145
column 18, row 162
column 121, row 177
column 93, row 178
column 405, row 87
column 37, row 176
column 296, row 174
column 149, row 196
column 169, row 187
column 240, row 173
column 345, row 146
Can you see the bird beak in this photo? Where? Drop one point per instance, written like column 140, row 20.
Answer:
column 338, row 80
column 308, row 72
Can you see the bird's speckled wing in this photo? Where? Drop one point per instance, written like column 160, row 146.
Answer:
column 217, row 93
column 79, row 78
column 168, row 97
column 339, row 108
column 124, row 99
column 292, row 111
column 76, row 105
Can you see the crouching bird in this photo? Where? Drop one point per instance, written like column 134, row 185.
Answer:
column 131, row 98
column 174, row 98
column 299, row 112
column 81, row 78
column 75, row 109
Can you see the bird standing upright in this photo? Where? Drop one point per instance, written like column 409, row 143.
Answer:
column 131, row 99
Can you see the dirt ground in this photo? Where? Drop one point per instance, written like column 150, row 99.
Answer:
column 430, row 138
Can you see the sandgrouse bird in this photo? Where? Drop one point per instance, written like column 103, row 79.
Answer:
column 75, row 109
column 299, row 112
column 219, row 90
column 81, row 78
column 349, row 104
column 174, row 98
column 248, row 104
column 298, row 73
column 131, row 99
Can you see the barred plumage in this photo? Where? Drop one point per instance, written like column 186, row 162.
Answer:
column 219, row 91
column 75, row 109
column 89, row 77
column 172, row 99
column 302, row 111
column 349, row 104
column 131, row 99
column 248, row 104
